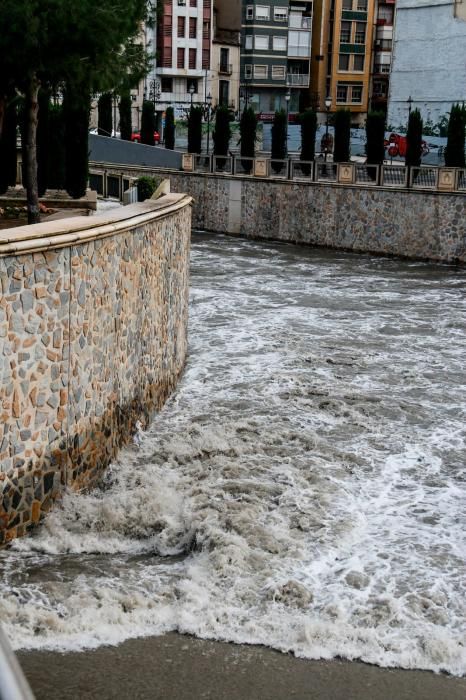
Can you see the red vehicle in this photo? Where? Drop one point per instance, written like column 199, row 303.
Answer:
column 396, row 145
column 136, row 137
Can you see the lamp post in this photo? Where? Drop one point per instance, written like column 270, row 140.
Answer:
column 207, row 113
column 328, row 104
column 154, row 97
column 191, row 90
column 287, row 102
column 410, row 104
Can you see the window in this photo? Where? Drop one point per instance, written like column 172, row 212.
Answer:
column 342, row 93
column 250, row 12
column 180, row 58
column 192, row 58
column 360, row 34
column 181, row 27
column 380, row 88
column 261, row 72
column 299, row 44
column 248, row 42
column 345, row 32
column 298, row 21
column 192, row 3
column 280, row 14
column 362, row 5
column 279, row 43
column 358, row 62
column 182, row 3
column 205, row 58
column 224, row 60
column 192, row 27
column 248, row 70
column 347, row 4
column 278, row 72
column 167, row 85
column 356, row 94
column 343, row 61
column 224, row 92
column 263, row 12
column 261, row 43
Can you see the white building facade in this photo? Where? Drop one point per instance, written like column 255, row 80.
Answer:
column 429, row 59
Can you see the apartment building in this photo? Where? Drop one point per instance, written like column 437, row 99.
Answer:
column 382, row 56
column 275, row 54
column 341, row 65
column 429, row 63
column 184, row 54
column 225, row 64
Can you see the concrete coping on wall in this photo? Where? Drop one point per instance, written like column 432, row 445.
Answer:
column 81, row 229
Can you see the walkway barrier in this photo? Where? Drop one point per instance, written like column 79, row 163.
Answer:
column 13, row 684
column 115, row 180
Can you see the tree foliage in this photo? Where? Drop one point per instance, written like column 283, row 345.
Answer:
column 42, row 141
column 8, row 146
column 308, row 121
column 279, row 139
column 195, row 129
column 170, row 129
column 56, row 146
column 222, row 134
column 148, row 123
column 375, row 138
column 76, row 110
column 454, row 151
column 104, row 114
column 342, row 126
column 414, row 139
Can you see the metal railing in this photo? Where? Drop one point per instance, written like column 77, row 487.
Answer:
column 279, row 168
column 243, row 166
column 394, row 176
column 302, row 170
column 366, row 174
column 222, row 165
column 423, row 178
column 13, row 684
column 326, row 172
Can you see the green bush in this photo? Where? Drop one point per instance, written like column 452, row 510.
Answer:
column 125, row 108
column 414, row 139
column 146, row 187
column 375, row 135
column 8, row 148
column 170, row 129
column 248, row 129
column 342, row 126
column 308, row 122
column 454, row 151
column 104, row 111
column 222, row 134
column 194, row 129
column 148, row 123
column 279, row 138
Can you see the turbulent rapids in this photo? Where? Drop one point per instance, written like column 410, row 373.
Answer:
column 304, row 488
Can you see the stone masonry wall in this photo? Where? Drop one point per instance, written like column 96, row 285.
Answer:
column 409, row 223
column 93, row 336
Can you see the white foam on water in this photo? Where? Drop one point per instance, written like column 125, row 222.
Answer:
column 304, row 488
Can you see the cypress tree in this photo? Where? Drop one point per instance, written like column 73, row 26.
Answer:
column 8, row 157
column 454, row 151
column 104, row 109
column 308, row 121
column 170, row 129
column 279, row 129
column 248, row 129
column 222, row 134
column 56, row 145
column 43, row 131
column 148, row 123
column 414, row 139
column 76, row 109
column 194, row 130
column 375, row 141
column 342, row 126
column 125, row 108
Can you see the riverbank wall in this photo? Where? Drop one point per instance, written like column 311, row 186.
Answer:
column 411, row 223
column 93, row 337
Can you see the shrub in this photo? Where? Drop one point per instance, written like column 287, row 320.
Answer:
column 148, row 123
column 308, row 121
column 222, row 133
column 248, row 129
column 125, row 107
column 146, row 187
column 104, row 111
column 414, row 139
column 8, row 148
column 194, row 130
column 279, row 138
column 375, row 135
column 454, row 151
column 170, row 129
column 342, row 126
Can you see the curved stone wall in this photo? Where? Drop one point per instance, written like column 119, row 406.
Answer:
column 93, row 336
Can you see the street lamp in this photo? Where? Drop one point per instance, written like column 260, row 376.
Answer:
column 328, row 104
column 208, row 113
column 287, row 102
column 191, row 90
column 410, row 103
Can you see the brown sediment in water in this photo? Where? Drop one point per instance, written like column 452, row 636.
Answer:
column 184, row 668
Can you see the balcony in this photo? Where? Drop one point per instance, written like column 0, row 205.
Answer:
column 297, row 79
column 225, row 69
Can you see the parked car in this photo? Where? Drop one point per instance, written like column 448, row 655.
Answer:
column 136, row 137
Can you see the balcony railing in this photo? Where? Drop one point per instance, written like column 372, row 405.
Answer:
column 225, row 69
column 297, row 80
